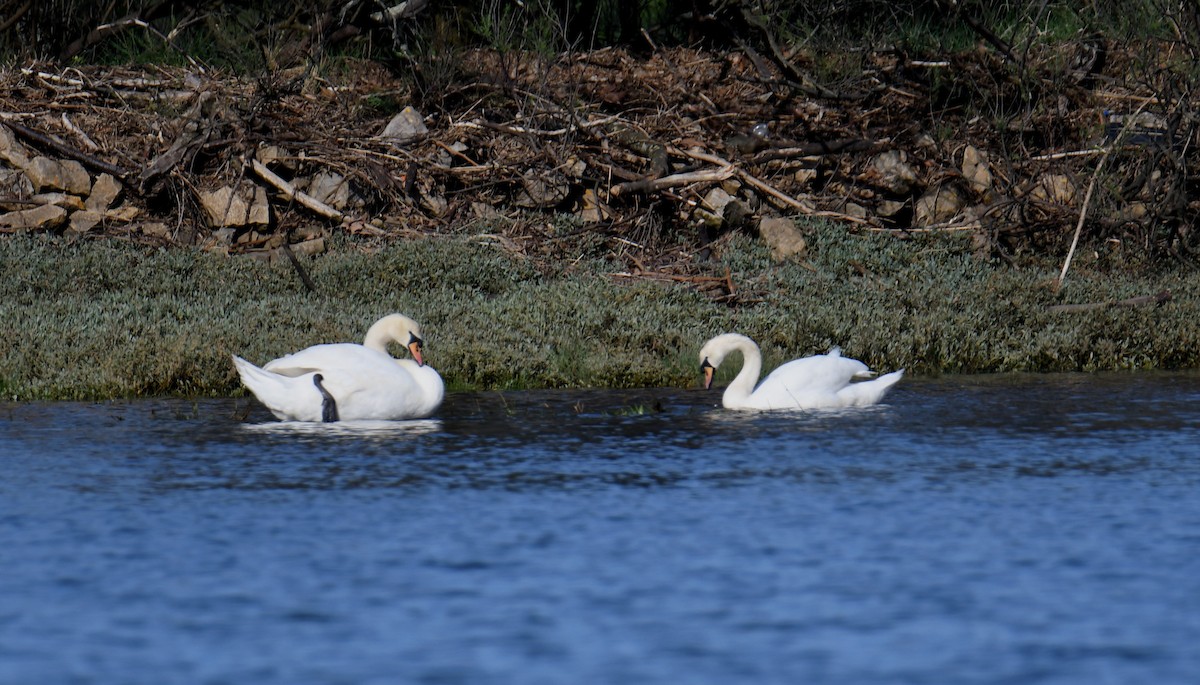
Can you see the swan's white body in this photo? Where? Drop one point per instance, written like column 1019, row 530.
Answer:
column 823, row 381
column 362, row 381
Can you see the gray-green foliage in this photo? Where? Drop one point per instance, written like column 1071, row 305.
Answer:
column 108, row 319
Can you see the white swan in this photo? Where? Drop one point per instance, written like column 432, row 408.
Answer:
column 345, row 381
column 823, row 381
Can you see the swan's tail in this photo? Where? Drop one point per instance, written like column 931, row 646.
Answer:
column 869, row 392
column 279, row 393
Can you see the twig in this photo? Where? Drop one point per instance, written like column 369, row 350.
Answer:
column 1157, row 298
column 1063, row 155
column 748, row 178
column 652, row 184
column 308, row 283
column 1087, row 199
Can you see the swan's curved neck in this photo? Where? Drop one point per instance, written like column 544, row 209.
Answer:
column 743, row 384
column 377, row 338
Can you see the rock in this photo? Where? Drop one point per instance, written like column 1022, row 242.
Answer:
column 123, row 214
column 273, row 156
column 855, row 210
column 84, row 221
column 542, row 189
column 11, row 150
column 224, row 207
column 937, row 205
column 711, row 211
column 736, row 214
column 156, row 229
column 65, row 200
column 434, row 203
column 331, row 188
column 56, row 174
column 892, row 172
column 1053, row 188
column 782, row 236
column 805, row 177
column 976, row 170
column 44, row 217
column 405, row 127
column 889, row 208
column 592, row 209
column 104, row 193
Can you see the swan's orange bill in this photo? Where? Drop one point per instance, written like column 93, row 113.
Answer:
column 415, row 348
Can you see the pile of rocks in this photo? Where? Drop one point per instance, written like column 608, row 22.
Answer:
column 44, row 193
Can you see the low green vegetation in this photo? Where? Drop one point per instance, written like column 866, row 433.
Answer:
column 108, row 319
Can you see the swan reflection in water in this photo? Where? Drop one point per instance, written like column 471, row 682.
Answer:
column 349, row 429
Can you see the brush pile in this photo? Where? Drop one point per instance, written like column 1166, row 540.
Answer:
column 643, row 159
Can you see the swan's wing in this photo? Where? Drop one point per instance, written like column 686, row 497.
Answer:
column 818, row 374
column 326, row 357
column 384, row 389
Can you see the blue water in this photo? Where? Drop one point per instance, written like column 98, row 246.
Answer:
column 974, row 530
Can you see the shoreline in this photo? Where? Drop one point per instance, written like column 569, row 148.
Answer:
column 95, row 320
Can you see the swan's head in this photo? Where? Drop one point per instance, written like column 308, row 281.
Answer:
column 715, row 351
column 397, row 328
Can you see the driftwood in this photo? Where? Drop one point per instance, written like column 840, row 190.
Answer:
column 1155, row 299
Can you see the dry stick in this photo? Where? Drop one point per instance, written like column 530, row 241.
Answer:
column 652, row 184
column 292, row 193
column 1157, row 298
column 1087, row 199
column 308, row 283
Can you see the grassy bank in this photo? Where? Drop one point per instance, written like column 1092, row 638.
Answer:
column 107, row 319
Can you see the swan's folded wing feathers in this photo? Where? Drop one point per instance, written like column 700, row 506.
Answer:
column 826, row 373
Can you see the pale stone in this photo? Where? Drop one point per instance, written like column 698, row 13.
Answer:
column 976, row 170
column 892, row 172
column 123, row 214
column 84, row 221
column 593, row 210
column 64, row 200
column 855, row 210
column 782, row 236
column 805, row 176
column 272, row 155
column 11, row 150
column 56, row 174
column 889, row 208
column 542, row 189
column 156, row 229
column 42, row 217
column 937, row 205
column 331, row 188
column 711, row 211
column 224, row 207
column 104, row 193
column 1054, row 188
column 405, row 127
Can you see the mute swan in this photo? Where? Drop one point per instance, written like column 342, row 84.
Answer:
column 822, row 381
column 345, row 381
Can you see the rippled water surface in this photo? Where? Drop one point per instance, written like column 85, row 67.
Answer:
column 974, row 530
